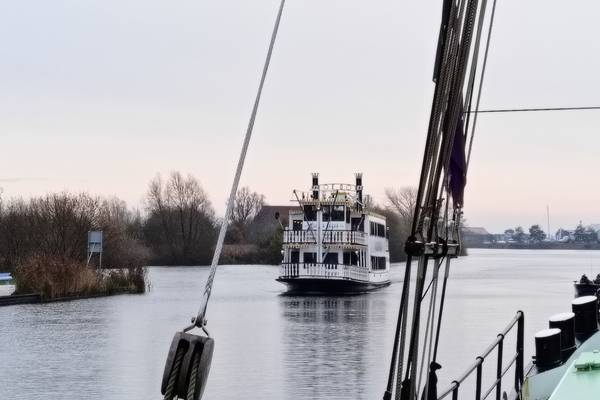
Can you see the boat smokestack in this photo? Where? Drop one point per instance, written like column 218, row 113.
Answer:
column 315, row 186
column 359, row 190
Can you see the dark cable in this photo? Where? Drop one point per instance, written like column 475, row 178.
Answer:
column 507, row 110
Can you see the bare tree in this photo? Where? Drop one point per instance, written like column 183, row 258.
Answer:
column 246, row 206
column 402, row 201
column 180, row 216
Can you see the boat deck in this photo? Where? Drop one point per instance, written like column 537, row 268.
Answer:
column 581, row 379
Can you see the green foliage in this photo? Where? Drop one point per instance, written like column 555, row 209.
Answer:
column 536, row 233
column 519, row 235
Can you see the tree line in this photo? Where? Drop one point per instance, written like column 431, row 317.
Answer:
column 176, row 226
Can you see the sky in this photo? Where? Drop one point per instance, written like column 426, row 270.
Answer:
column 102, row 95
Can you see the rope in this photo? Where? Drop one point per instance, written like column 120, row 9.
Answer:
column 200, row 319
column 397, row 351
column 507, row 110
column 193, row 381
column 429, row 328
column 473, row 73
column 485, row 57
column 442, row 301
column 170, row 391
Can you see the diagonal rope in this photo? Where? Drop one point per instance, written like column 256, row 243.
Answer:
column 170, row 391
column 200, row 319
column 509, row 110
column 485, row 57
column 193, row 384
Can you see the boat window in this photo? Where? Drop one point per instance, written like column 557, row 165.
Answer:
column 310, row 257
column 325, row 210
column 350, row 258
column 330, row 258
column 378, row 263
column 295, row 256
column 377, row 229
column 309, row 213
column 297, row 224
column 358, row 224
column 347, row 210
column 337, row 214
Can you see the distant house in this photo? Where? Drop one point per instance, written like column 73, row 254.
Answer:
column 564, row 235
column 476, row 236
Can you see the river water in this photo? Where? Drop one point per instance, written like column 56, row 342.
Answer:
column 270, row 346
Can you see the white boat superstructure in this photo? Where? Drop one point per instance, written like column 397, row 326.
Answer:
column 333, row 242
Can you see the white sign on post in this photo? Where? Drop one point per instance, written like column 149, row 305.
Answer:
column 94, row 245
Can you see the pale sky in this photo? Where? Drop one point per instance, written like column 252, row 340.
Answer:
column 101, row 95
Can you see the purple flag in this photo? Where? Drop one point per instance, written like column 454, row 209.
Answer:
column 458, row 166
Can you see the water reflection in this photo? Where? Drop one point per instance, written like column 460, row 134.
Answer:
column 327, row 345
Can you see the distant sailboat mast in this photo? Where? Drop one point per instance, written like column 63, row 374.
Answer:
column 548, row 221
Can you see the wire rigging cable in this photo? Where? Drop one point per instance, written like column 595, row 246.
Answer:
column 189, row 358
column 435, row 226
column 511, row 110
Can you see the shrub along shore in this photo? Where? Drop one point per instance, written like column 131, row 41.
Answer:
column 43, row 239
column 52, row 278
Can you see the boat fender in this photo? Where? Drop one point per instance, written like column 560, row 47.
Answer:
column 547, row 349
column 566, row 323
column 189, row 358
column 586, row 316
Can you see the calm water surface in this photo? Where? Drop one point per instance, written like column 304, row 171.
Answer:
column 270, row 346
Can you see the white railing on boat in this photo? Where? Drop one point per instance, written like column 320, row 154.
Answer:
column 329, row 237
column 325, row 271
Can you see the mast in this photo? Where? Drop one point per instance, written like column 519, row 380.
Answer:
column 435, row 231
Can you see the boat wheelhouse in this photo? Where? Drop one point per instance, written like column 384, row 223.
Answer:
column 333, row 242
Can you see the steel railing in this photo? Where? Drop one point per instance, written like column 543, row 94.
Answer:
column 322, row 270
column 329, row 237
column 501, row 370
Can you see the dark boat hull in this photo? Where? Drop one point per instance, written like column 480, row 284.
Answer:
column 586, row 289
column 329, row 286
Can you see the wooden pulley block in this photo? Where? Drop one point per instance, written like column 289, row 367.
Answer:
column 188, row 364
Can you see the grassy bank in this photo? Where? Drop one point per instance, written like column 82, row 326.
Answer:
column 54, row 277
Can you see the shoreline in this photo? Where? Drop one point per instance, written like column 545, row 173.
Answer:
column 36, row 298
column 537, row 246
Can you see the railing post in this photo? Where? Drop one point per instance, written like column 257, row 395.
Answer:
column 478, row 384
column 519, row 363
column 499, row 368
column 455, row 391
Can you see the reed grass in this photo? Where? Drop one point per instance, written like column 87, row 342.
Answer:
column 54, row 277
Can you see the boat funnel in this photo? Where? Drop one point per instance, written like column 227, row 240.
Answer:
column 586, row 316
column 566, row 323
column 315, row 186
column 359, row 190
column 547, row 349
